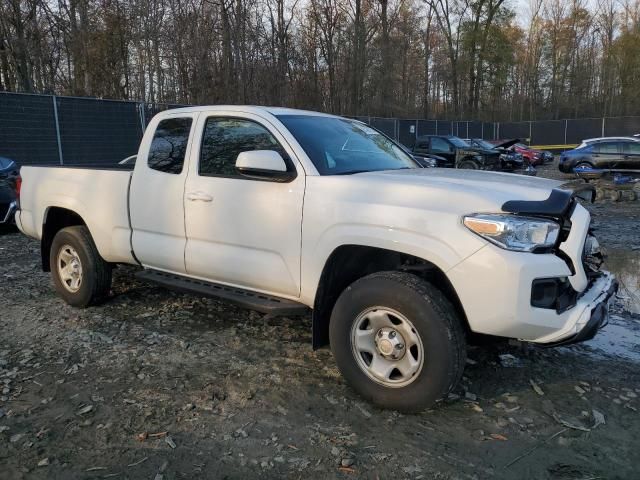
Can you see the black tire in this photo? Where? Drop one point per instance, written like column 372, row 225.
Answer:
column 584, row 164
column 436, row 323
column 468, row 165
column 96, row 273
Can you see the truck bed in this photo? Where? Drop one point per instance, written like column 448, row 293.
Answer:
column 98, row 193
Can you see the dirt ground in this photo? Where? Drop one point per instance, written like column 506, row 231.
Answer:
column 159, row 385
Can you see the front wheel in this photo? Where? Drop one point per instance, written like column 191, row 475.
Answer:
column 80, row 275
column 468, row 165
column 397, row 341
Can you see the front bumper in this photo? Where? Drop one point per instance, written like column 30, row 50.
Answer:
column 593, row 318
column 7, row 212
column 495, row 287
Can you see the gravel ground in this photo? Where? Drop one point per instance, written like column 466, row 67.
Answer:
column 159, row 385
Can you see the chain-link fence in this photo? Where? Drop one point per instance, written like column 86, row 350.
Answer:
column 46, row 129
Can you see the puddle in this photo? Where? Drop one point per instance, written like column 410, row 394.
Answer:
column 621, row 337
column 625, row 265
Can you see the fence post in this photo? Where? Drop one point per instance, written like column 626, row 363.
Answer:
column 602, row 127
column 566, row 123
column 143, row 119
column 530, row 131
column 55, row 119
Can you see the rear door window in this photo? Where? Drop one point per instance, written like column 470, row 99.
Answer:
column 169, row 145
column 607, row 148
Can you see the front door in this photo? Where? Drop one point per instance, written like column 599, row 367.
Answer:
column 157, row 192
column 242, row 231
column 440, row 146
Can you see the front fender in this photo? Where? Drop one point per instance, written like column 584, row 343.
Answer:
column 438, row 250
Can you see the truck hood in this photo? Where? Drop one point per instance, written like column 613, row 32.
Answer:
column 461, row 191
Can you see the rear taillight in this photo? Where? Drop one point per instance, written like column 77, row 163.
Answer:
column 18, row 187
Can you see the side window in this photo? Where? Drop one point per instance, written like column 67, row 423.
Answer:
column 607, row 148
column 440, row 145
column 633, row 148
column 169, row 145
column 225, row 138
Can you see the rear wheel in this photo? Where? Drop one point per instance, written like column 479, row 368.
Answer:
column 397, row 341
column 80, row 275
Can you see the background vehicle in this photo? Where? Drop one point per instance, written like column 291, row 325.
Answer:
column 283, row 211
column 531, row 157
column 457, row 152
column 9, row 182
column 547, row 156
column 509, row 160
column 614, row 153
column 425, row 160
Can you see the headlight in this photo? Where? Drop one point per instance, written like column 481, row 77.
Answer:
column 512, row 232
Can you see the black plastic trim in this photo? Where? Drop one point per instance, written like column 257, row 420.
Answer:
column 246, row 298
column 557, row 205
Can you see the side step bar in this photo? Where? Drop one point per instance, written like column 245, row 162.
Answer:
column 245, row 298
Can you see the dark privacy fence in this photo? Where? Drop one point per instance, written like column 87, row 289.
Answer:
column 46, row 129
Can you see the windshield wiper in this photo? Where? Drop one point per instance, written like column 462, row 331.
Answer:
column 351, row 172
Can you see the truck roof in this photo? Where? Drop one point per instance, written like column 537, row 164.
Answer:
column 257, row 109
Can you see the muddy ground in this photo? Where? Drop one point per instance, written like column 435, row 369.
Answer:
column 159, row 385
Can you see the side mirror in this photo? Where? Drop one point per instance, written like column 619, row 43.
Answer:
column 263, row 165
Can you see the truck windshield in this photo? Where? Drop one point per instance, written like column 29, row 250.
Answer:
column 338, row 146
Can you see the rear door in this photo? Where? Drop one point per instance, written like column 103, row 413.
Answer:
column 242, row 231
column 157, row 190
column 607, row 154
column 631, row 158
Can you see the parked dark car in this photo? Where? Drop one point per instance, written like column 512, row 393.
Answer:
column 509, row 160
column 9, row 182
column 425, row 161
column 457, row 153
column 547, row 156
column 603, row 153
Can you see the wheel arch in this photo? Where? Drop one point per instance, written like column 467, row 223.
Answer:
column 348, row 263
column 55, row 219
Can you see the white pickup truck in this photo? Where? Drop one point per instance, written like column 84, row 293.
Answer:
column 286, row 211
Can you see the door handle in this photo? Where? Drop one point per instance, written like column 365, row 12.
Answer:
column 199, row 196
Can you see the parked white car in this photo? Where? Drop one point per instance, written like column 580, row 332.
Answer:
column 286, row 211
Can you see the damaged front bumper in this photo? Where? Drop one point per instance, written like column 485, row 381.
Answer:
column 594, row 312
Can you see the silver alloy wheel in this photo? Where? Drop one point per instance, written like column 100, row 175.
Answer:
column 387, row 347
column 69, row 268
